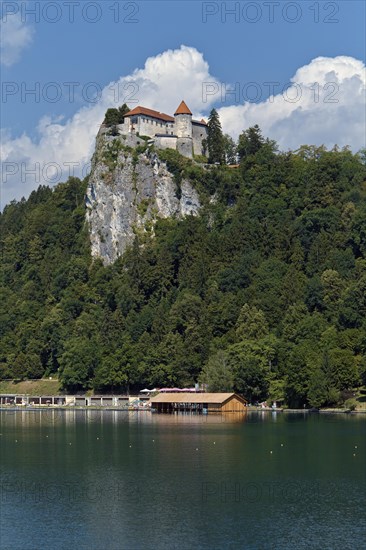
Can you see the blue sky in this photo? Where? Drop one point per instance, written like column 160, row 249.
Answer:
column 236, row 51
column 268, row 42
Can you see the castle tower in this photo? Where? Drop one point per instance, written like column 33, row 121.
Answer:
column 183, row 130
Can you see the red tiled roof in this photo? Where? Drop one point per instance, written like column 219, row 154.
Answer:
column 202, row 122
column 149, row 112
column 182, row 109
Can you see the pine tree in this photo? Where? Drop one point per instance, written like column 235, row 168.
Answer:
column 215, row 139
column 251, row 141
column 230, row 149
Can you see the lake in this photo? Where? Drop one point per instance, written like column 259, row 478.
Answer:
column 113, row 480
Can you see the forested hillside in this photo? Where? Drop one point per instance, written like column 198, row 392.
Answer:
column 264, row 292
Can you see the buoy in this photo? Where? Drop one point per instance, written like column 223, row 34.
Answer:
column 214, row 442
column 98, row 438
column 354, row 454
column 197, row 449
column 271, row 452
column 355, row 446
column 130, row 446
column 16, row 441
column 281, row 444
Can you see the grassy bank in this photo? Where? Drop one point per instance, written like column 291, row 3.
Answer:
column 31, row 387
column 358, row 402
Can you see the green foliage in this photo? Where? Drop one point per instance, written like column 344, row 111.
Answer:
column 175, row 162
column 251, row 323
column 115, row 116
column 215, row 139
column 264, row 293
column 230, row 149
column 111, row 153
column 251, row 142
column 218, row 373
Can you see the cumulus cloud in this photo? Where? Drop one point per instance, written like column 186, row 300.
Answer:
column 64, row 147
column 324, row 104
column 15, row 37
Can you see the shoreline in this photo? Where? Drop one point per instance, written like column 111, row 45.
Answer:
column 25, row 408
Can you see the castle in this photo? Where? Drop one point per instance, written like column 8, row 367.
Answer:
column 167, row 132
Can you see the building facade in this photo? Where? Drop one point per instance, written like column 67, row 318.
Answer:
column 179, row 132
column 198, row 402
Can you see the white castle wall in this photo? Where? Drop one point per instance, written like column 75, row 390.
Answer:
column 183, row 125
column 184, row 135
column 125, row 127
column 146, row 126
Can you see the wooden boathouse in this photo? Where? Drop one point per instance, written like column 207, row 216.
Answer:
column 198, row 402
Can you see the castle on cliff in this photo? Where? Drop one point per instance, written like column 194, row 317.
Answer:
column 179, row 132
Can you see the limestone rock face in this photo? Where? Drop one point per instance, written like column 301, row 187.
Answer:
column 127, row 193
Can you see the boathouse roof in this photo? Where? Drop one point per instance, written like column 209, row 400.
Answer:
column 189, row 397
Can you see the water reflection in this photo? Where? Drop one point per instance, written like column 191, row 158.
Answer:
column 27, row 418
column 31, row 417
column 124, row 479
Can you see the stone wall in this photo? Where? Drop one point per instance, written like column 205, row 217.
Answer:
column 146, row 126
column 165, row 142
column 183, row 126
column 185, row 146
column 199, row 133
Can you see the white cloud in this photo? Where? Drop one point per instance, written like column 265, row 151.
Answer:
column 179, row 74
column 325, row 104
column 15, row 37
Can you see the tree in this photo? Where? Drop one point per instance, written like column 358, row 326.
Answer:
column 111, row 373
column 230, row 149
column 251, row 374
column 115, row 116
column 215, row 139
column 218, row 373
column 78, row 363
column 251, row 363
column 250, row 142
column 297, row 376
column 318, row 392
column 251, row 323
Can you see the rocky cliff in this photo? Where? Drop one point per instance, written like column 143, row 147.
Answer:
column 129, row 189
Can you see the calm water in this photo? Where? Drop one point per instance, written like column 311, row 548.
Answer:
column 118, row 480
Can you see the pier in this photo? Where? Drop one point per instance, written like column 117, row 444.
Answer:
column 103, row 401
